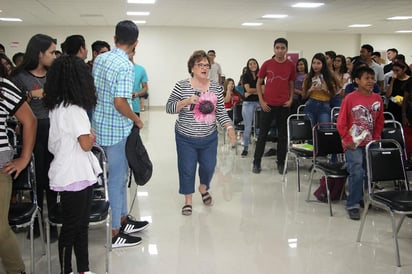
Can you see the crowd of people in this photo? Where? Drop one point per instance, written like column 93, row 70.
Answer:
column 66, row 104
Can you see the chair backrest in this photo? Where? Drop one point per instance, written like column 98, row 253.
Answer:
column 326, row 140
column 384, row 162
column 388, row 116
column 299, row 128
column 334, row 113
column 300, row 109
column 394, row 130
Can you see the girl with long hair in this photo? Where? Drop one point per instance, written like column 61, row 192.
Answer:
column 319, row 86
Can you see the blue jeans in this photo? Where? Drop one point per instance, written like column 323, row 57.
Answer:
column 336, row 101
column 317, row 111
column 117, row 181
column 248, row 113
column 356, row 162
column 193, row 150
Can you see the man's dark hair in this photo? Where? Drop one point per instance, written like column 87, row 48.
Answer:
column 211, row 51
column 98, row 45
column 16, row 56
column 126, row 32
column 72, row 44
column 393, row 50
column 368, row 47
column 377, row 53
column 281, row 41
column 2, row 48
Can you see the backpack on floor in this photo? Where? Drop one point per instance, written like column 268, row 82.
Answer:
column 336, row 186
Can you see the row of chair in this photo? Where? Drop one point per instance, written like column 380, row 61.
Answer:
column 385, row 162
column 23, row 214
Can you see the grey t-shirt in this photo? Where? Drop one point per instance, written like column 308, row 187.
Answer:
column 26, row 81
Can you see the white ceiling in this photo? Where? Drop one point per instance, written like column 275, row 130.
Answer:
column 334, row 16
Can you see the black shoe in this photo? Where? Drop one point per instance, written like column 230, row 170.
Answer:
column 281, row 167
column 124, row 240
column 256, row 168
column 270, row 152
column 244, row 153
column 354, row 214
column 132, row 226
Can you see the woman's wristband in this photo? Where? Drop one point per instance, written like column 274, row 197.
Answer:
column 229, row 127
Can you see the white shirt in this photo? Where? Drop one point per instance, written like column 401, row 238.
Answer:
column 214, row 72
column 71, row 164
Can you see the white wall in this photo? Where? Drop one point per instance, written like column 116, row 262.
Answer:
column 164, row 51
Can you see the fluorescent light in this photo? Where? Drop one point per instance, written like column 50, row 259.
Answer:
column 141, row 1
column 307, row 5
column 153, row 249
column 274, row 16
column 359, row 25
column 138, row 13
column 139, row 21
column 399, row 18
column 248, row 24
column 10, row 19
column 403, row 31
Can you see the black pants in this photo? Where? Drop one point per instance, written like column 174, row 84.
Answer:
column 74, row 232
column 42, row 160
column 280, row 114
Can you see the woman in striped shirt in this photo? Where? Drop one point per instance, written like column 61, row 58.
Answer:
column 199, row 103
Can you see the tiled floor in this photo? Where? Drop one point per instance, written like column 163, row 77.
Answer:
column 258, row 224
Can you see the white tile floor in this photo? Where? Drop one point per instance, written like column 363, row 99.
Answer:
column 257, row 224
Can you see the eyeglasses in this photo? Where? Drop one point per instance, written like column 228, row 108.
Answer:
column 201, row 65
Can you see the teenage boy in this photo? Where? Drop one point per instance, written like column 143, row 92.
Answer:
column 360, row 121
column 280, row 74
column 112, row 121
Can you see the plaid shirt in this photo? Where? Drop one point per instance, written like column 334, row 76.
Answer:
column 113, row 77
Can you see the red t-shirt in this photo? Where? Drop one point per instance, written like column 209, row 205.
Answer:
column 360, row 114
column 278, row 75
column 235, row 99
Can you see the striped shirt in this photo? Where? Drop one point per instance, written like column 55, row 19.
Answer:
column 185, row 123
column 11, row 98
column 113, row 77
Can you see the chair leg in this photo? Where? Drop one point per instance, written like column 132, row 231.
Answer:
column 285, row 167
column 39, row 219
column 365, row 212
column 298, row 171
column 328, row 196
column 48, row 246
column 310, row 184
column 398, row 227
column 395, row 239
column 134, row 199
column 32, row 246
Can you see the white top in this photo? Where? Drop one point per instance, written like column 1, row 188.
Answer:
column 71, row 164
column 214, row 72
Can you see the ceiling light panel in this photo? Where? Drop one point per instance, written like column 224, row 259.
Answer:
column 399, row 18
column 138, row 13
column 141, row 1
column 274, row 16
column 359, row 25
column 251, row 24
column 307, row 5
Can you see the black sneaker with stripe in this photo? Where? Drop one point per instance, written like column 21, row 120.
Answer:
column 133, row 226
column 124, row 240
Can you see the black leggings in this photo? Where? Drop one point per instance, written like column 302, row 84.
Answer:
column 74, row 232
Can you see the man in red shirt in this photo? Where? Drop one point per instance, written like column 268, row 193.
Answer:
column 280, row 74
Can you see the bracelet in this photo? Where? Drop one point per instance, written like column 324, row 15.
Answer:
column 29, row 95
column 229, row 127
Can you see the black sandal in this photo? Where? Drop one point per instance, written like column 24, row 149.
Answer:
column 187, row 210
column 206, row 198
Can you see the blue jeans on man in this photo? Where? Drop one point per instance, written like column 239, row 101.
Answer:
column 117, row 181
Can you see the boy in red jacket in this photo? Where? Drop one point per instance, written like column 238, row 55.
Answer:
column 360, row 121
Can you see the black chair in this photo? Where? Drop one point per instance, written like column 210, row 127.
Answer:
column 237, row 120
column 299, row 134
column 326, row 141
column 393, row 130
column 24, row 211
column 100, row 212
column 384, row 163
column 388, row 116
column 301, row 109
column 334, row 113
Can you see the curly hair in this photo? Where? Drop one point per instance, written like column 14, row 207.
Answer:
column 69, row 81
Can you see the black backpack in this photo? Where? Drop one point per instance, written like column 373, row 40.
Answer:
column 139, row 161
